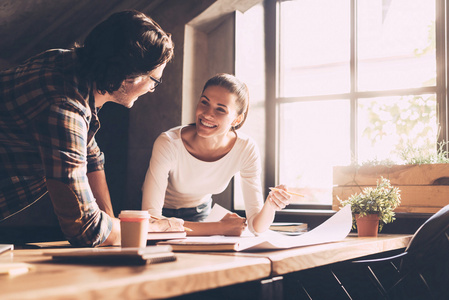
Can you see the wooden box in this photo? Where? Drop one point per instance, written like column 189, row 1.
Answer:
column 424, row 188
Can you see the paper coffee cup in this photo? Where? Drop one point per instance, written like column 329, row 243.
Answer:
column 134, row 228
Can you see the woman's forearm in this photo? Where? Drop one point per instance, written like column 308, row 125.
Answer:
column 231, row 225
column 277, row 199
column 264, row 218
column 203, row 228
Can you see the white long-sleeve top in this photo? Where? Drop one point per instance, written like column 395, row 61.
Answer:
column 176, row 179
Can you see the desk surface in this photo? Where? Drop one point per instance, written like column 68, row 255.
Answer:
column 297, row 259
column 191, row 272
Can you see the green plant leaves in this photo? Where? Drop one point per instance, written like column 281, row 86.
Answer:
column 381, row 200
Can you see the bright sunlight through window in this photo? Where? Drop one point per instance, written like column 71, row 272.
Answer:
column 353, row 86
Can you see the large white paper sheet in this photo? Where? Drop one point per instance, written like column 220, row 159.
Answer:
column 217, row 213
column 336, row 228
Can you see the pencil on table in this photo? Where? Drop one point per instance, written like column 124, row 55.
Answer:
column 185, row 228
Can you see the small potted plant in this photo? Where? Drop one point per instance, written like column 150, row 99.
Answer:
column 374, row 206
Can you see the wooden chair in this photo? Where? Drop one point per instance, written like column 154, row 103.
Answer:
column 420, row 272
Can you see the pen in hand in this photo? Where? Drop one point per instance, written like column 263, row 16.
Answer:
column 185, row 228
column 291, row 193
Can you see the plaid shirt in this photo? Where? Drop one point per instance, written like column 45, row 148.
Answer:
column 47, row 125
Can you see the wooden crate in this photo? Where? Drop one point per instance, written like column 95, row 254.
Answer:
column 424, row 188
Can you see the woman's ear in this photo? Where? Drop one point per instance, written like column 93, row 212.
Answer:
column 237, row 120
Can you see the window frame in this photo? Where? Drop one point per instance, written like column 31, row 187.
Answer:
column 273, row 100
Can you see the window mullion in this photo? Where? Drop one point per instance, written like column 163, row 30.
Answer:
column 271, row 116
column 353, row 73
column 441, row 28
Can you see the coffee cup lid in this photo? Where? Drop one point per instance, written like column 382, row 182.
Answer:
column 134, row 214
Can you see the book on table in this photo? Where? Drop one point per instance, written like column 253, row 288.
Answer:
column 216, row 243
column 289, row 228
column 165, row 235
column 115, row 255
column 6, row 247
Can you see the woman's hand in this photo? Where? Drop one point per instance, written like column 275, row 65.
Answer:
column 232, row 224
column 279, row 198
column 168, row 224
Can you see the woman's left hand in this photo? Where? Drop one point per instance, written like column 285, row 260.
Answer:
column 279, row 198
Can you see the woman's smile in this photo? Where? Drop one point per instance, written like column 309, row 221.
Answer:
column 207, row 124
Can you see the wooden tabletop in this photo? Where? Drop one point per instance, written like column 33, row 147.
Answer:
column 190, row 273
column 297, row 259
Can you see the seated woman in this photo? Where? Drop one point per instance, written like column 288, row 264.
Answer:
column 191, row 163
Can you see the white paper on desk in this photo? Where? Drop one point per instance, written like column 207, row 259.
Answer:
column 217, row 213
column 334, row 229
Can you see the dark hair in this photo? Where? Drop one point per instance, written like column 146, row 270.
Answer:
column 236, row 87
column 126, row 45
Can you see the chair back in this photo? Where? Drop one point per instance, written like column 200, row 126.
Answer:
column 429, row 232
column 427, row 257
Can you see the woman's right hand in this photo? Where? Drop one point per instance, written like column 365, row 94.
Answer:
column 232, row 224
column 166, row 224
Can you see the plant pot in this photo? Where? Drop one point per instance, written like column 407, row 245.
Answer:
column 367, row 225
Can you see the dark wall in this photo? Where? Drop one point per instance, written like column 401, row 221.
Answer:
column 112, row 139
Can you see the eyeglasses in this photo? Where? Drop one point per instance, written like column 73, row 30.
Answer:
column 157, row 82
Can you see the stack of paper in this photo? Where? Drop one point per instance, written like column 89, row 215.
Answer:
column 289, row 228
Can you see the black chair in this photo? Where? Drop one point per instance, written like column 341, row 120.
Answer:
column 420, row 272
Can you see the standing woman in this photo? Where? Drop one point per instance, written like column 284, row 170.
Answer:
column 191, row 163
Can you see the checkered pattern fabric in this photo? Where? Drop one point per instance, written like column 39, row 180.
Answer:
column 47, row 125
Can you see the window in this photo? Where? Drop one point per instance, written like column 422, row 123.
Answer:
column 349, row 81
column 356, row 83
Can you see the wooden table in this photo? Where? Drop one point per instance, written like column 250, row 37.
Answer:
column 190, row 273
column 292, row 267
column 297, row 259
column 352, row 247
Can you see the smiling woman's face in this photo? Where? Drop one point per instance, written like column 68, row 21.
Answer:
column 216, row 112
